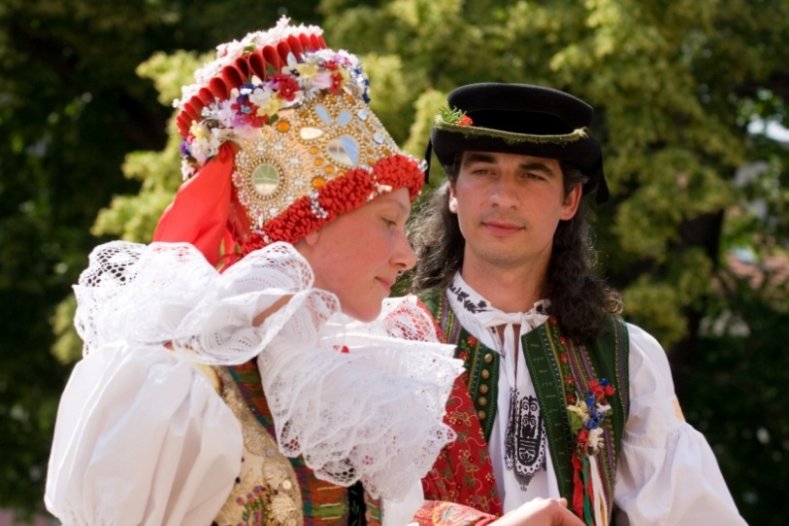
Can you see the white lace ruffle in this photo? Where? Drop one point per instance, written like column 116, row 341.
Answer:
column 360, row 401
column 363, row 405
column 168, row 293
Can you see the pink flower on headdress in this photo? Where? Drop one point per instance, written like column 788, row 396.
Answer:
column 247, row 113
column 286, row 86
column 322, row 80
column 336, row 83
column 330, row 64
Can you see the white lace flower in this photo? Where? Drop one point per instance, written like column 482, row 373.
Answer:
column 596, row 438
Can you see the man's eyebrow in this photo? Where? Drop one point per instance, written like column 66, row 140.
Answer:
column 478, row 157
column 529, row 166
column 536, row 166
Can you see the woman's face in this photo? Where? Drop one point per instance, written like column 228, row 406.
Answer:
column 358, row 255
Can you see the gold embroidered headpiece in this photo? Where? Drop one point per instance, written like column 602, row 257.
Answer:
column 289, row 119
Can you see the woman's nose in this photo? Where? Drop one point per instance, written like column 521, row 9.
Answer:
column 404, row 257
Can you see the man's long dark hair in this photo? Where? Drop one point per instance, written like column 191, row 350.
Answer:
column 580, row 299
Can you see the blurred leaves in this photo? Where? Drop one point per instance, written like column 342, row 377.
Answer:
column 696, row 235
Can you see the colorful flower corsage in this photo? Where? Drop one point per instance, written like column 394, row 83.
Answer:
column 587, row 414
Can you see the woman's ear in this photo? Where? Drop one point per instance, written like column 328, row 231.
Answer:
column 306, row 245
column 311, row 239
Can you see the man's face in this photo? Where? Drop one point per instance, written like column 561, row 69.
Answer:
column 508, row 208
column 358, row 255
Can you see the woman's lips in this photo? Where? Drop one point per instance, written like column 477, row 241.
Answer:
column 387, row 283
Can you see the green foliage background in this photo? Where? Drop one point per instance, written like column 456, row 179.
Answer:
column 88, row 152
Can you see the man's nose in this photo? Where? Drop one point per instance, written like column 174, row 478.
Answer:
column 503, row 191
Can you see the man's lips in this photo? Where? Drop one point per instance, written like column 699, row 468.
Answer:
column 501, row 227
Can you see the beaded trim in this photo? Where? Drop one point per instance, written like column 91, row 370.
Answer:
column 576, row 135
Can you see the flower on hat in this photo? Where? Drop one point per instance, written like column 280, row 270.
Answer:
column 455, row 116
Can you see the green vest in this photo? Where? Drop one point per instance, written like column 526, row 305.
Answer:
column 604, row 357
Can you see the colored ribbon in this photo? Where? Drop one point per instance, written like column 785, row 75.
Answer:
column 200, row 209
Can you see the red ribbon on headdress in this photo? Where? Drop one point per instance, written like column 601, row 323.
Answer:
column 199, row 211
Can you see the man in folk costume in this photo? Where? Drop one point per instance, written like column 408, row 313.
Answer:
column 560, row 396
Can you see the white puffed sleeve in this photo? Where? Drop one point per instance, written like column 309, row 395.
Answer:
column 667, row 473
column 141, row 438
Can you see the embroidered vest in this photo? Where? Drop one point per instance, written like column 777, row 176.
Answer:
column 272, row 489
column 605, row 357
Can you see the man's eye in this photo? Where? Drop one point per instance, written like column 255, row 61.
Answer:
column 532, row 176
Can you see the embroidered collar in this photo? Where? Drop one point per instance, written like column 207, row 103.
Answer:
column 463, row 296
column 481, row 318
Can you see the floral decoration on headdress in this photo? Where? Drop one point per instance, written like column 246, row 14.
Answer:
column 257, row 102
column 301, row 143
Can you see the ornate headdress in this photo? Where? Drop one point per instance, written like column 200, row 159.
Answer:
column 278, row 141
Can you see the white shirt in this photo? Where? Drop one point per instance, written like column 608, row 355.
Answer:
column 666, row 473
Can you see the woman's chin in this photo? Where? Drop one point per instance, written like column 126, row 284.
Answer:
column 363, row 313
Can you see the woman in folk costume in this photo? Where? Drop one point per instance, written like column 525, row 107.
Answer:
column 244, row 368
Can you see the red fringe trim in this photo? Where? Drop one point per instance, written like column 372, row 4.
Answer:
column 338, row 196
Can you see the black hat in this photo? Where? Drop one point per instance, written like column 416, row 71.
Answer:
column 524, row 119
